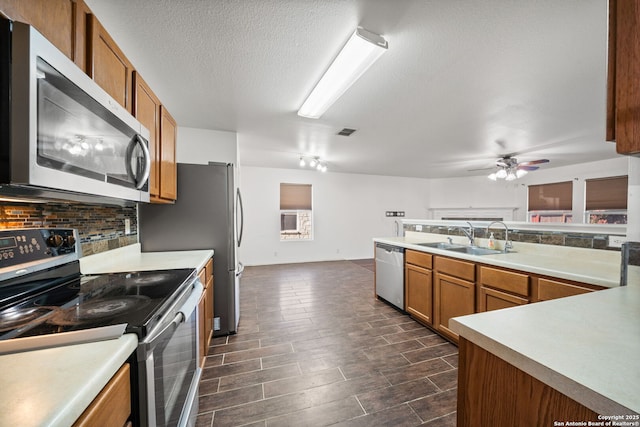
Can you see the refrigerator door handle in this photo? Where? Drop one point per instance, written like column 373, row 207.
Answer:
column 240, row 212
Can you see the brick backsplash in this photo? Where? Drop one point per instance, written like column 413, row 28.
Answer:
column 558, row 238
column 101, row 227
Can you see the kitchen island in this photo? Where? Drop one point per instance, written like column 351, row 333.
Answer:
column 585, row 347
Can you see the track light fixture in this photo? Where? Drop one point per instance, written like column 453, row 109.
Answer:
column 313, row 162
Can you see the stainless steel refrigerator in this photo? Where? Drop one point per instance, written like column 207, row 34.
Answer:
column 206, row 215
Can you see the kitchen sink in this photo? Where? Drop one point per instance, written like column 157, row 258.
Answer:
column 471, row 250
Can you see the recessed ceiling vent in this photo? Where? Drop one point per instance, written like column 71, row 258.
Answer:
column 346, row 132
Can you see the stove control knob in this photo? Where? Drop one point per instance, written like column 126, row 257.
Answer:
column 69, row 241
column 54, row 241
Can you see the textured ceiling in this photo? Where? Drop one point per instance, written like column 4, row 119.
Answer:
column 463, row 81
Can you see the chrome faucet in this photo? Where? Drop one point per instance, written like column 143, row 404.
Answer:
column 507, row 243
column 470, row 233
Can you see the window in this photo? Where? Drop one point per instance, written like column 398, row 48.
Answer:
column 606, row 200
column 551, row 202
column 295, row 212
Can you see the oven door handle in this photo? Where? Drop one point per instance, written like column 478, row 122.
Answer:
column 152, row 341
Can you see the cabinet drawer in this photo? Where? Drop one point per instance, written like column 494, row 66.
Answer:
column 456, row 268
column 112, row 406
column 505, row 280
column 551, row 289
column 421, row 259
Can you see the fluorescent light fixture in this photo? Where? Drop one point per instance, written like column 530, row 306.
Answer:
column 360, row 52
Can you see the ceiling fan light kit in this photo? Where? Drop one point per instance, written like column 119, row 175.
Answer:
column 509, row 169
column 357, row 55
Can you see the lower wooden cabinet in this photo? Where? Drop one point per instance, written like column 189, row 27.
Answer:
column 419, row 286
column 112, row 407
column 205, row 310
column 499, row 288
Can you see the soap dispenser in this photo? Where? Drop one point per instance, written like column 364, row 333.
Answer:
column 492, row 241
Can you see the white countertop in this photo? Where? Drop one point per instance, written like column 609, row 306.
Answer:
column 591, row 266
column 54, row 386
column 129, row 258
column 586, row 346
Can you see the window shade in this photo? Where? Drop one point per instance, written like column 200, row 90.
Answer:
column 295, row 196
column 556, row 196
column 606, row 193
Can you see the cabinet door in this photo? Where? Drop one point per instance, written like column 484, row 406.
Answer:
column 107, row 65
column 146, row 108
column 54, row 19
column 419, row 287
column 168, row 169
column 452, row 297
column 112, row 407
column 491, row 299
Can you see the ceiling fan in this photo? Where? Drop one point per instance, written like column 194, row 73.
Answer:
column 508, row 168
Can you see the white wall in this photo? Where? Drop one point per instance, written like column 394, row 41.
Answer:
column 348, row 210
column 201, row 146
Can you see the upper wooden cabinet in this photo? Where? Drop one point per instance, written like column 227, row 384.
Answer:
column 623, row 80
column 107, row 65
column 168, row 170
column 54, row 19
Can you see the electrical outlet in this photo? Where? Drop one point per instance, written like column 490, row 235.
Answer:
column 616, row 241
column 216, row 323
column 127, row 226
column 418, row 227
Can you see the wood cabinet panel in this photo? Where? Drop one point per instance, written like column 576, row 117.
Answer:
column 81, row 16
column 492, row 392
column 146, row 108
column 205, row 307
column 505, row 280
column 452, row 297
column 491, row 299
column 547, row 289
column 456, row 268
column 624, row 68
column 112, row 407
column 419, row 297
column 107, row 64
column 421, row 259
column 54, row 19
column 168, row 168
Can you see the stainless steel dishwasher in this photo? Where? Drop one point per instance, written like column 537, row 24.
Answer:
column 390, row 274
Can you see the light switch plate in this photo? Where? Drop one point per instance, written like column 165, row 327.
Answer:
column 616, row 241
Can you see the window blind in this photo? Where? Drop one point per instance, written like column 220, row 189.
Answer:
column 556, row 196
column 606, row 193
column 295, row 196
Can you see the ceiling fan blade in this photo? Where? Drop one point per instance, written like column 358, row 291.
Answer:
column 527, row 168
column 534, row 162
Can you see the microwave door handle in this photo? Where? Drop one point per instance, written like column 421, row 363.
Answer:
column 138, row 181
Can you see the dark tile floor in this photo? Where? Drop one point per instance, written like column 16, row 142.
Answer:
column 315, row 348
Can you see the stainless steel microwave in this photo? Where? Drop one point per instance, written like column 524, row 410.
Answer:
column 61, row 135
